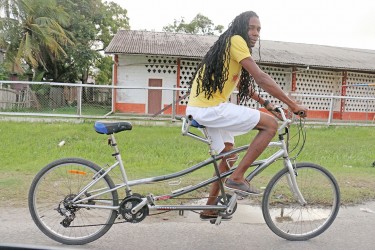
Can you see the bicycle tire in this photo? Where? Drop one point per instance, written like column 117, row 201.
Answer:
column 286, row 217
column 61, row 180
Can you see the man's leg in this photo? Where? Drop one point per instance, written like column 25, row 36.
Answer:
column 267, row 127
column 223, row 166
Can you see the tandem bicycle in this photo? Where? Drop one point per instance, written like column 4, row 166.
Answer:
column 75, row 201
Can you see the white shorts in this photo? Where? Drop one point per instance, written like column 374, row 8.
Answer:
column 225, row 121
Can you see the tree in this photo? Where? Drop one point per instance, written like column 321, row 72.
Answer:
column 92, row 25
column 59, row 39
column 199, row 25
column 113, row 18
column 104, row 66
column 3, row 72
column 33, row 32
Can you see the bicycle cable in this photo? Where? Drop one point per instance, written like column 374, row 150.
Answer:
column 301, row 141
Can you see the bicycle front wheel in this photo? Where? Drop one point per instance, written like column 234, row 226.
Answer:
column 52, row 207
column 289, row 219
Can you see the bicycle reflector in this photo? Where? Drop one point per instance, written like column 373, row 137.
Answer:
column 77, row 172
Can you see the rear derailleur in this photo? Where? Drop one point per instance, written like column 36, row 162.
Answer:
column 67, row 210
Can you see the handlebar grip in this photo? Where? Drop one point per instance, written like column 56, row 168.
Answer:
column 186, row 121
column 278, row 109
column 301, row 113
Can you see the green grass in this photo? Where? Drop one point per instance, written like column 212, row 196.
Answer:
column 348, row 152
column 87, row 109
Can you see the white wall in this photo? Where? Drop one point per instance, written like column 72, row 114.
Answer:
column 136, row 70
column 133, row 71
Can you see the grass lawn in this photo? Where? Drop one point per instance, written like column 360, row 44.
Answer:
column 348, row 152
column 86, row 109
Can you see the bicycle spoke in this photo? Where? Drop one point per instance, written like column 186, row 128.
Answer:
column 55, row 186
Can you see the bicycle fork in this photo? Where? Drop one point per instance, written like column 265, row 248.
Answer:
column 292, row 181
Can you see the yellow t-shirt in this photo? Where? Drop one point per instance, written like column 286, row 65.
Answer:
column 238, row 51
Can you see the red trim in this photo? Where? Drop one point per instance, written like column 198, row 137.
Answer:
column 356, row 116
column 138, row 108
column 337, row 115
column 181, row 110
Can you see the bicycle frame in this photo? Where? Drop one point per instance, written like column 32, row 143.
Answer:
column 228, row 205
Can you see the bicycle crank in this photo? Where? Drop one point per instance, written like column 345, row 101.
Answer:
column 128, row 204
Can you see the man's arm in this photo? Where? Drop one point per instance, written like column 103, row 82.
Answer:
column 269, row 85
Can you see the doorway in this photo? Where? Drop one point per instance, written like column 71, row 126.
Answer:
column 154, row 96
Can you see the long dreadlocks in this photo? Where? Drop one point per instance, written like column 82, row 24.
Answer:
column 213, row 70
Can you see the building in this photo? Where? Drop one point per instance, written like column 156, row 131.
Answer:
column 161, row 59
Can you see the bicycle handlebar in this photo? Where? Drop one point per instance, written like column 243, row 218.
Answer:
column 186, row 122
column 285, row 120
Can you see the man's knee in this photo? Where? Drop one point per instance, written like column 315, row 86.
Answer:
column 268, row 123
column 228, row 146
column 273, row 125
column 230, row 159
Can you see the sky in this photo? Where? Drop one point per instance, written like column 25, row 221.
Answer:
column 341, row 23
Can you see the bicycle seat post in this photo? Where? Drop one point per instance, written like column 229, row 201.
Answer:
column 190, row 122
column 213, row 154
column 117, row 155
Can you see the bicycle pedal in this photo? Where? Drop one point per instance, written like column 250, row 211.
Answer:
column 210, row 219
column 217, row 221
column 223, row 219
column 213, row 220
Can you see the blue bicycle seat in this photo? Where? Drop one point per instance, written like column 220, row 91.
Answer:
column 111, row 127
column 195, row 124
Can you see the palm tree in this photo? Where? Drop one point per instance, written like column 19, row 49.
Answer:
column 33, row 31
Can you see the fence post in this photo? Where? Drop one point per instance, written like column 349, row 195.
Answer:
column 367, row 106
column 330, row 116
column 79, row 101
column 174, row 92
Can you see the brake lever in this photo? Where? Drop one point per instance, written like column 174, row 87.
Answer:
column 278, row 113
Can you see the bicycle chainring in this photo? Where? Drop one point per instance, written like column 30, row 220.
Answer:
column 220, row 201
column 128, row 204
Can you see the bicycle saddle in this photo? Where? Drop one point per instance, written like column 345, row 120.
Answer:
column 111, row 127
column 195, row 124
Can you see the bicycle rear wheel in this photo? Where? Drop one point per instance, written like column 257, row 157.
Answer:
column 286, row 217
column 50, row 196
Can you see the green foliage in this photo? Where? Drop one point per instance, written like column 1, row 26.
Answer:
column 3, row 72
column 58, row 38
column 93, row 25
column 104, row 65
column 113, row 18
column 34, row 31
column 199, row 25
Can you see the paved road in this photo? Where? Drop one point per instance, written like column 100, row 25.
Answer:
column 354, row 228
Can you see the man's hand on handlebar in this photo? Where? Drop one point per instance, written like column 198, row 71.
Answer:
column 296, row 109
column 299, row 110
column 274, row 110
